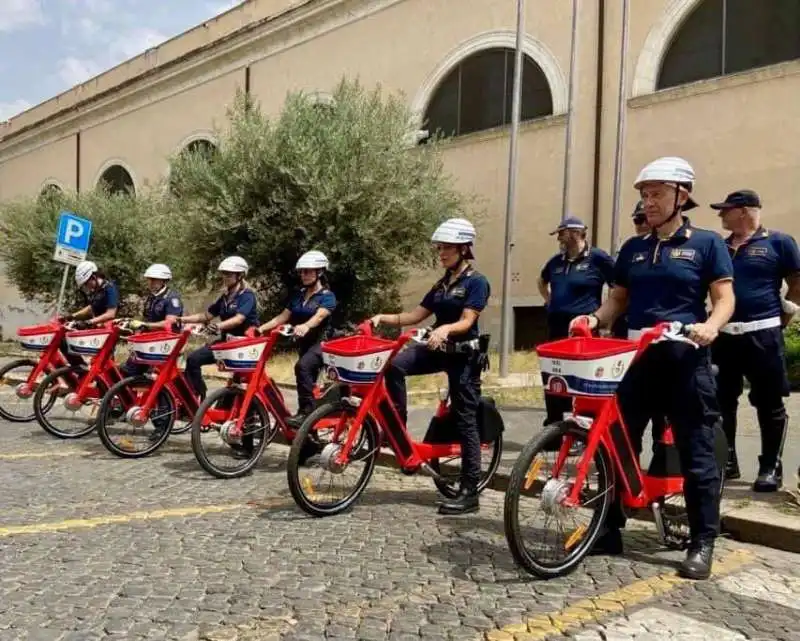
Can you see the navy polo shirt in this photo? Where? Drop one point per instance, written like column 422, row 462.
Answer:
column 759, row 267
column 158, row 306
column 447, row 302
column 104, row 298
column 243, row 302
column 576, row 285
column 668, row 279
column 302, row 310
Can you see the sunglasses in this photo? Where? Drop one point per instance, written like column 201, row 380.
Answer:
column 639, row 219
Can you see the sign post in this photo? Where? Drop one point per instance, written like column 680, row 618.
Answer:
column 72, row 245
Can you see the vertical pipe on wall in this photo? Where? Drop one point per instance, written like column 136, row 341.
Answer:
column 570, row 111
column 505, row 307
column 598, row 119
column 621, row 110
column 78, row 162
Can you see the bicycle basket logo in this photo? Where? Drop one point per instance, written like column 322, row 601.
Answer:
column 617, row 369
column 557, row 385
column 598, row 373
column 377, row 362
column 95, row 342
column 361, row 365
column 165, row 348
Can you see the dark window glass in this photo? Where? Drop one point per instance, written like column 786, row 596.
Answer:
column 117, row 180
column 477, row 94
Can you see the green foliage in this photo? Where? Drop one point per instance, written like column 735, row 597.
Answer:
column 122, row 242
column 792, row 340
column 339, row 177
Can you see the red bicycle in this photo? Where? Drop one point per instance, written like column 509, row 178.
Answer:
column 362, row 415
column 239, row 420
column 81, row 387
column 26, row 374
column 589, row 369
column 160, row 397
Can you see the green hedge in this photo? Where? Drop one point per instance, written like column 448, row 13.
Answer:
column 792, row 337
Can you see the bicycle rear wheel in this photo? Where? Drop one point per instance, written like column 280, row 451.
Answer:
column 62, row 422
column 530, row 483
column 14, row 408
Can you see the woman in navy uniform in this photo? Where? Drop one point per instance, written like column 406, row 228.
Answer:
column 571, row 283
column 162, row 308
column 456, row 300
column 102, row 301
column 666, row 276
column 237, row 310
column 308, row 309
column 751, row 344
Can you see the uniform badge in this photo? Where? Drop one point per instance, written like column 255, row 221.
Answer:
column 458, row 292
column 639, row 257
column 582, row 267
column 682, row 254
column 757, row 251
column 176, row 302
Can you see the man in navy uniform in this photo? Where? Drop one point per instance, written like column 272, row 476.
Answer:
column 571, row 283
column 664, row 276
column 751, row 345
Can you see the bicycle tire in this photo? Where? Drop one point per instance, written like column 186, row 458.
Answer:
column 41, row 414
column 539, row 443
column 197, row 434
column 6, row 414
column 293, row 463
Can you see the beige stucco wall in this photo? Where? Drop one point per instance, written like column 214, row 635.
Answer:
column 27, row 174
column 143, row 139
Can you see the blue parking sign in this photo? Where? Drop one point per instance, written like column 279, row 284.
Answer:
column 72, row 240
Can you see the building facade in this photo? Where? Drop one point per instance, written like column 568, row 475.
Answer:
column 714, row 81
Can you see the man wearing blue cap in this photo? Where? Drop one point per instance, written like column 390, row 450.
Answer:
column 571, row 283
column 751, row 345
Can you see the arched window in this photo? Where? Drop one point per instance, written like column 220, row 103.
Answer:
column 117, row 180
column 477, row 94
column 201, row 146
column 727, row 36
column 50, row 193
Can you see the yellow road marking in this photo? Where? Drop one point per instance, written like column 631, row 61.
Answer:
column 596, row 608
column 45, row 454
column 140, row 515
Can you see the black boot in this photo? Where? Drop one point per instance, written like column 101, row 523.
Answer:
column 296, row 421
column 732, row 471
column 609, row 543
column 466, row 501
column 698, row 561
column 770, row 477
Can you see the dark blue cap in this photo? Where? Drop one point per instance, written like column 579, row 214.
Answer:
column 741, row 198
column 570, row 222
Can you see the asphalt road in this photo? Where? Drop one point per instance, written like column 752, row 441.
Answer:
column 95, row 547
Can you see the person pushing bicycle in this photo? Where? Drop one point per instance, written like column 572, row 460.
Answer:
column 666, row 275
column 456, row 300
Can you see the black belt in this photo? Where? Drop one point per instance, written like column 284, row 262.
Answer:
column 462, row 347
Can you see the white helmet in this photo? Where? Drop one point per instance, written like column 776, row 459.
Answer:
column 455, row 231
column 234, row 264
column 84, row 271
column 158, row 271
column 669, row 169
column 312, row 260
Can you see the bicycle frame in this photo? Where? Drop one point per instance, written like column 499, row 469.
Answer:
column 171, row 377
column 260, row 384
column 102, row 367
column 376, row 402
column 608, row 429
column 50, row 358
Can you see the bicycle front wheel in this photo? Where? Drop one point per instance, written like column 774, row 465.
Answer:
column 15, row 408
column 558, row 549
column 313, row 472
column 218, row 452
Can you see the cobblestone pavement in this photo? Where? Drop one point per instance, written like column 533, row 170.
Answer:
column 94, row 547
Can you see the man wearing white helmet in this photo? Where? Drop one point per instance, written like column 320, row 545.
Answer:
column 308, row 309
column 456, row 300
column 667, row 275
column 102, row 300
column 162, row 308
column 237, row 310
